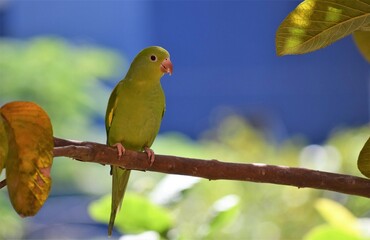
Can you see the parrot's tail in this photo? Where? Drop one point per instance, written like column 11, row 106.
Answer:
column 119, row 183
column 111, row 221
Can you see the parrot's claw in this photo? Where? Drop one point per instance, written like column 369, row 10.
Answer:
column 120, row 149
column 151, row 155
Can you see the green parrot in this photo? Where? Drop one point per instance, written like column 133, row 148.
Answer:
column 134, row 114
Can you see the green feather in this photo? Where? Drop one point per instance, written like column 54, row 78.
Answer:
column 134, row 113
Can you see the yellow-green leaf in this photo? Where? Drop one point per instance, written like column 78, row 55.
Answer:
column 315, row 24
column 30, row 156
column 337, row 216
column 326, row 232
column 3, row 143
column 363, row 162
column 362, row 40
column 341, row 223
column 225, row 211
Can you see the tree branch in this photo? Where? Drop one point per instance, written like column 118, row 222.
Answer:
column 213, row 169
column 2, row 183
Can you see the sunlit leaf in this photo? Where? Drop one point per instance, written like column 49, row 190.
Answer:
column 3, row 143
column 336, row 215
column 30, row 156
column 363, row 162
column 362, row 40
column 137, row 215
column 341, row 224
column 315, row 24
column 326, row 232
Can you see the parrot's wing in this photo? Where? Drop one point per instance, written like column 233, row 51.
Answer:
column 120, row 176
column 164, row 110
column 112, row 105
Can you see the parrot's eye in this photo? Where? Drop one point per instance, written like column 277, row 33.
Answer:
column 153, row 58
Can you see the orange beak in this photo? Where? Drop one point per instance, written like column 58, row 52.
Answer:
column 166, row 66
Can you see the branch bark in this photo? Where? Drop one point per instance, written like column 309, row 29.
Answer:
column 2, row 183
column 214, row 169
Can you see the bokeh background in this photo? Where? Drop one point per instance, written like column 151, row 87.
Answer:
column 230, row 98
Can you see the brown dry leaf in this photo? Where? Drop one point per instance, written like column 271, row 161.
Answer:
column 3, row 143
column 30, row 156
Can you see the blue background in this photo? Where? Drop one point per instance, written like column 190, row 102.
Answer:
column 224, row 58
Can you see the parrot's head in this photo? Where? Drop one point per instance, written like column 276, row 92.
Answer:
column 152, row 63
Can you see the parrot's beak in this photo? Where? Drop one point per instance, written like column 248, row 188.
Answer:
column 166, row 66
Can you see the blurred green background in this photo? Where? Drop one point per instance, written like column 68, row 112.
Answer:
column 74, row 91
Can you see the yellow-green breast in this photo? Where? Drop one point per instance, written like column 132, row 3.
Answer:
column 138, row 115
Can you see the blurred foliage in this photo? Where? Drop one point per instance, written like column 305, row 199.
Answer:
column 11, row 226
column 151, row 217
column 205, row 209
column 224, row 212
column 63, row 78
column 340, row 223
column 259, row 206
column 71, row 91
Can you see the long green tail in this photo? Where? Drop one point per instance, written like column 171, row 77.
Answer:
column 119, row 183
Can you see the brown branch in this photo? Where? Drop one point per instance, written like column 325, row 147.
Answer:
column 2, row 183
column 213, row 169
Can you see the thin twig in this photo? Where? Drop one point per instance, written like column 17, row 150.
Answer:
column 214, row 169
column 2, row 183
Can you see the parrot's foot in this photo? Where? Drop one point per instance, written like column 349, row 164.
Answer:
column 150, row 154
column 120, row 149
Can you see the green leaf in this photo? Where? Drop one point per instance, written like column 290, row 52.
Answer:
column 3, row 143
column 137, row 215
column 362, row 40
column 341, row 223
column 225, row 211
column 326, row 232
column 363, row 162
column 337, row 216
column 30, row 156
column 315, row 24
